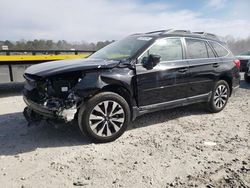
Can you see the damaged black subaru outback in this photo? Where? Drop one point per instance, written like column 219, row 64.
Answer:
column 142, row 73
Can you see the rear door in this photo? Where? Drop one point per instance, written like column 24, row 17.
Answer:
column 167, row 81
column 202, row 67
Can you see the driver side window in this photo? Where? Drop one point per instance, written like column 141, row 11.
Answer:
column 169, row 49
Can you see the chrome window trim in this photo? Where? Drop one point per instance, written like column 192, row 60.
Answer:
column 208, row 42
column 228, row 52
column 191, row 64
column 184, row 48
column 163, row 104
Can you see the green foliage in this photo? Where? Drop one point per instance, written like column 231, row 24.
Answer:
column 53, row 45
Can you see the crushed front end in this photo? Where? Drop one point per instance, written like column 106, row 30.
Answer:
column 51, row 98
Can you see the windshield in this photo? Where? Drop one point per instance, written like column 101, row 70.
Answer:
column 122, row 49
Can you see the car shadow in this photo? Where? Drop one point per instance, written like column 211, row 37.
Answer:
column 244, row 84
column 167, row 115
column 16, row 137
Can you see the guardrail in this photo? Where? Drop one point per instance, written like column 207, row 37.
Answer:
column 14, row 62
column 34, row 52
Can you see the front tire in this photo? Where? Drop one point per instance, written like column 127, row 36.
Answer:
column 104, row 117
column 247, row 78
column 220, row 96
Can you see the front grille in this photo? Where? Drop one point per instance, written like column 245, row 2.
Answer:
column 32, row 95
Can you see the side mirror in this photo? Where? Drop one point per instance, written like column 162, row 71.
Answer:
column 150, row 61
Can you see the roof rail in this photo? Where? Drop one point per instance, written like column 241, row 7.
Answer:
column 182, row 31
column 169, row 31
column 207, row 34
column 159, row 31
column 179, row 31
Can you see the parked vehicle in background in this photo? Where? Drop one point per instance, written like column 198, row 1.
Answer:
column 247, row 73
column 244, row 58
column 139, row 74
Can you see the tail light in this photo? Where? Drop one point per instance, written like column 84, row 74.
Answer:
column 237, row 63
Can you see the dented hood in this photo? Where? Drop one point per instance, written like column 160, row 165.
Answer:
column 64, row 66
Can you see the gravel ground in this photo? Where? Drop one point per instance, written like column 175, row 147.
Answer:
column 182, row 147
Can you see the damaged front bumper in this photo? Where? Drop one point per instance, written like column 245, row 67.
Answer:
column 58, row 114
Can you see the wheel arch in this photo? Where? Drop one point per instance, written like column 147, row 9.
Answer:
column 96, row 82
column 122, row 91
column 228, row 79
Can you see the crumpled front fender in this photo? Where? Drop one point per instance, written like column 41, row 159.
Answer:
column 91, row 83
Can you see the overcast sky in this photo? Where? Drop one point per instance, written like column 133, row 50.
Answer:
column 94, row 20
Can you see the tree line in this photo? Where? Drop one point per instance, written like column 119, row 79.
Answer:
column 52, row 45
column 236, row 45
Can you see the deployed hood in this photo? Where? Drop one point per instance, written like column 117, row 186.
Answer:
column 64, row 66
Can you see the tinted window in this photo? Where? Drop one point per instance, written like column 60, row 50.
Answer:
column 220, row 50
column 169, row 49
column 196, row 49
column 210, row 51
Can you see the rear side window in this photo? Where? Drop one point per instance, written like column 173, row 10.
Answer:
column 196, row 49
column 220, row 50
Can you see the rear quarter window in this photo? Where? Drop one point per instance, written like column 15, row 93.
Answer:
column 219, row 49
column 210, row 51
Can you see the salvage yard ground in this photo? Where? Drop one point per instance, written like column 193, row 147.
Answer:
column 180, row 147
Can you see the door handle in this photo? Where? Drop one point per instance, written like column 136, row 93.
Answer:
column 216, row 65
column 183, row 70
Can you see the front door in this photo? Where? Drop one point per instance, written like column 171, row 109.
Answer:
column 167, row 81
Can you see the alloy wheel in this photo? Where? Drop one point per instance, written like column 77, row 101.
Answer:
column 221, row 96
column 106, row 118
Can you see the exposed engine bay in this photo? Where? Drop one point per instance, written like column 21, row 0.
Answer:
column 55, row 94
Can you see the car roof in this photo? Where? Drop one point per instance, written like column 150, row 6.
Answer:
column 180, row 33
column 245, row 53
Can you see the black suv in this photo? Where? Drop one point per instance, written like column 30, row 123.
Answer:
column 139, row 74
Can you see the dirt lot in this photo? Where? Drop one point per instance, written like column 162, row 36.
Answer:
column 183, row 147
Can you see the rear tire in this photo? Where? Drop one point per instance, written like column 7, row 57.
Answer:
column 247, row 78
column 104, row 117
column 220, row 96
